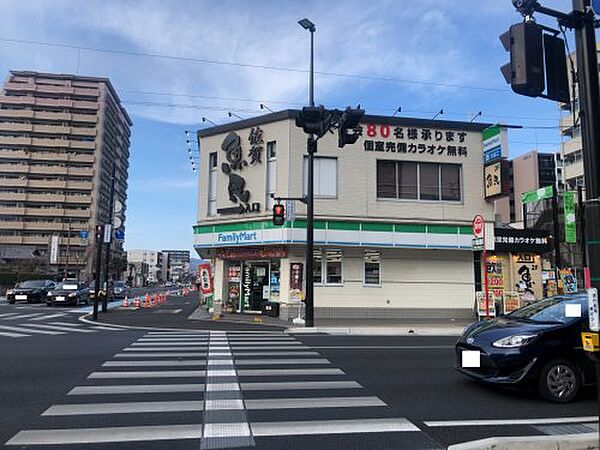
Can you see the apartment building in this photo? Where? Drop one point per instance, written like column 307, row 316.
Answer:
column 178, row 264
column 64, row 151
column 528, row 172
column 570, row 129
column 154, row 260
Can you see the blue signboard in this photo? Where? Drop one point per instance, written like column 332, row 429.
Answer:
column 596, row 6
column 119, row 234
column 492, row 154
column 83, row 234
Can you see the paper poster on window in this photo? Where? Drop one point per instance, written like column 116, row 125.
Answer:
column 527, row 275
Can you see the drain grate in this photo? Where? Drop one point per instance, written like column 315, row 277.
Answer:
column 575, row 428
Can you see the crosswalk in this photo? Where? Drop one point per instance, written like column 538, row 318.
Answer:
column 220, row 390
column 21, row 325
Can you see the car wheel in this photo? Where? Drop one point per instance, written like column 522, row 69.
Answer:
column 560, row 381
column 12, row 302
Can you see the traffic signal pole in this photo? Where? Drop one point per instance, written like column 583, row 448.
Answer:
column 589, row 98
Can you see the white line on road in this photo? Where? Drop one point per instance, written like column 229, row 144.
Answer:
column 54, row 327
column 332, row 427
column 166, row 344
column 299, row 385
column 278, row 372
column 251, row 362
column 23, row 316
column 383, row 347
column 51, row 316
column 13, row 335
column 150, row 374
column 109, row 434
column 317, row 402
column 164, row 349
column 136, row 389
column 124, row 408
column 6, row 315
column 159, row 354
column 167, row 363
column 29, row 330
column 500, row 422
column 107, row 328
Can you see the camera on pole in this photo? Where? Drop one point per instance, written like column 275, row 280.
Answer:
column 278, row 214
column 347, row 131
column 537, row 61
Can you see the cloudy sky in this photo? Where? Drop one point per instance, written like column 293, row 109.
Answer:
column 174, row 61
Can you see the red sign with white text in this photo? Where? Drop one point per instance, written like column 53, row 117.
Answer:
column 205, row 279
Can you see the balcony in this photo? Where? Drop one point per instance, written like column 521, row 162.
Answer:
column 10, row 225
column 80, row 185
column 570, row 146
column 13, row 154
column 44, row 226
column 82, row 104
column 35, row 240
column 86, row 199
column 13, row 182
column 11, row 240
column 14, row 168
column 45, row 212
column 47, row 170
column 12, row 211
column 17, row 113
column 88, row 118
column 88, row 145
column 12, row 140
column 80, row 131
column 13, row 196
column 51, row 115
column 81, row 171
column 17, row 99
column 16, row 127
column 573, row 170
column 45, row 198
column 50, row 184
column 54, row 102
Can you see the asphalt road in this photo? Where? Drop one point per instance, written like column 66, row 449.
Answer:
column 114, row 388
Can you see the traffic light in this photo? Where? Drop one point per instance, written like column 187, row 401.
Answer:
column 348, row 122
column 99, row 232
column 525, row 72
column 314, row 120
column 278, row 214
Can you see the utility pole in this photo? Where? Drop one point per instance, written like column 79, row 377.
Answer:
column 311, row 148
column 98, row 237
column 109, row 243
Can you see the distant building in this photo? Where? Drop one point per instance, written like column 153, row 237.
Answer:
column 136, row 274
column 178, row 264
column 154, row 260
column 64, row 150
column 528, row 172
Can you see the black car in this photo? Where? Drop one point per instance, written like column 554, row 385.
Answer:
column 68, row 293
column 538, row 345
column 31, row 291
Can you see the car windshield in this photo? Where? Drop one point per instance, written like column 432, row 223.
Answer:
column 119, row 285
column 32, row 284
column 68, row 285
column 559, row 309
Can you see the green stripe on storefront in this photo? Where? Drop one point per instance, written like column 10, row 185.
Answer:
column 336, row 225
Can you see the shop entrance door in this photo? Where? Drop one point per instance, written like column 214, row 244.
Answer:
column 259, row 284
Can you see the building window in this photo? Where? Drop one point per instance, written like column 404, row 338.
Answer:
column 418, row 181
column 271, row 172
column 212, row 184
column 333, row 266
column 325, row 176
column 372, row 268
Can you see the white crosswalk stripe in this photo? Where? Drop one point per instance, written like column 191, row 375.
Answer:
column 21, row 329
column 203, row 384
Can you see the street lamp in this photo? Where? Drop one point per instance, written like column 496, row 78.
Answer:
column 311, row 147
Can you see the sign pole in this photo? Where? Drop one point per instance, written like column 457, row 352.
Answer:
column 485, row 277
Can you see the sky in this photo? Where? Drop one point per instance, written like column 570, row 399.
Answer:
column 174, row 62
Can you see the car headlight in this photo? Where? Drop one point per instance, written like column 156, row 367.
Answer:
column 9, row 292
column 514, row 341
column 49, row 294
column 73, row 294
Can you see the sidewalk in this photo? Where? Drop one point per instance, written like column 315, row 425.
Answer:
column 385, row 327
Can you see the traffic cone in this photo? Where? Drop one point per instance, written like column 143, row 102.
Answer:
column 137, row 303
column 125, row 302
column 147, row 301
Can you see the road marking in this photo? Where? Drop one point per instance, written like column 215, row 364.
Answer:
column 159, row 355
column 274, row 353
column 224, row 404
column 299, row 385
column 167, row 363
column 107, row 328
column 23, row 316
column 251, row 362
column 212, row 430
column 109, row 434
column 123, row 408
column 166, row 344
column 28, row 330
column 210, row 387
column 55, row 327
column 149, row 374
column 51, row 316
column 383, row 347
column 13, row 335
column 317, row 402
column 136, row 389
column 279, row 372
column 175, row 334
column 173, row 340
column 500, row 422
column 67, row 324
column 5, row 315
column 163, row 349
column 332, row 427
column 269, row 347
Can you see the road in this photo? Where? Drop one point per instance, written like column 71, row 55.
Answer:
column 107, row 387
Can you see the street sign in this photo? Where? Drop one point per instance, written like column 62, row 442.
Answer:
column 593, row 309
column 570, row 222
column 117, row 222
column 596, row 6
column 119, row 234
column 54, row 249
column 290, row 210
column 205, row 279
column 537, row 195
column 478, row 244
column 478, row 226
column 118, row 207
column 107, row 233
column 83, row 234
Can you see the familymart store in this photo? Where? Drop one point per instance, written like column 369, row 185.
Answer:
column 362, row 269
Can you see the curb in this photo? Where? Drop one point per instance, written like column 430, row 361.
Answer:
column 583, row 441
column 377, row 331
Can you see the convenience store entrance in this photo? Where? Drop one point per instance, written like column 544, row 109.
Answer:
column 256, row 284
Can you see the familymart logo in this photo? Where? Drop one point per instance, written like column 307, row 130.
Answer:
column 238, row 237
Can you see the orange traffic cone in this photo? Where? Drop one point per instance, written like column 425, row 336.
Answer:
column 147, row 301
column 136, row 302
column 125, row 302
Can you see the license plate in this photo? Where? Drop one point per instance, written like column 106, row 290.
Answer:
column 20, row 297
column 60, row 298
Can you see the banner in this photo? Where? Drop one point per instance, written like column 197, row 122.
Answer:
column 570, row 222
column 205, row 279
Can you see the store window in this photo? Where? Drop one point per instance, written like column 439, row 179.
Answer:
column 450, row 182
column 372, row 268
column 333, row 264
column 429, row 181
column 317, row 267
column 325, row 176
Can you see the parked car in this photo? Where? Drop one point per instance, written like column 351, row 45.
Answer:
column 32, row 291
column 68, row 292
column 538, row 345
column 120, row 289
